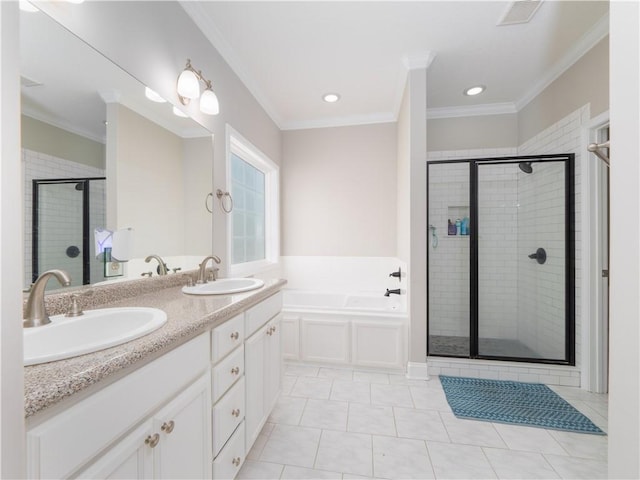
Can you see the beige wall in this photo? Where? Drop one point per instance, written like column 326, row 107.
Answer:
column 587, row 81
column 197, row 174
column 149, row 184
column 339, row 191
column 403, row 223
column 460, row 133
column 417, row 273
column 42, row 137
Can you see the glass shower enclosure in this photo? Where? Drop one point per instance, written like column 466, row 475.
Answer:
column 501, row 277
column 65, row 213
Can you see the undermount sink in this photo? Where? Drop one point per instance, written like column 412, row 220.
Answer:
column 67, row 337
column 224, row 286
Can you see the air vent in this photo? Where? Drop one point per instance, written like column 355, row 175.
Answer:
column 28, row 82
column 521, row 11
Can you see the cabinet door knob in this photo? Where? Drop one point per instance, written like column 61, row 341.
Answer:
column 235, row 370
column 235, row 412
column 236, row 461
column 269, row 332
column 273, row 328
column 167, row 427
column 235, row 336
column 152, row 440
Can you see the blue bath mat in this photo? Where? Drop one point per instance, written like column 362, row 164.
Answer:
column 530, row 404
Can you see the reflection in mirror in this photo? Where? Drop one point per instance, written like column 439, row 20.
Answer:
column 97, row 153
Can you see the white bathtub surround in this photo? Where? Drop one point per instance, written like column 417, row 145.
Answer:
column 342, row 274
column 365, row 329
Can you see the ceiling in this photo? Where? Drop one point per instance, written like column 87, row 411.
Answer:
column 291, row 53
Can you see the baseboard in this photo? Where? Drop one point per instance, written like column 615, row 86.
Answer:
column 417, row 371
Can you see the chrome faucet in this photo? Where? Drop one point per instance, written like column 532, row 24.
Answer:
column 203, row 268
column 162, row 267
column 35, row 314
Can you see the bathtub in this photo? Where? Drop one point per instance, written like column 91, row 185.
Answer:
column 363, row 329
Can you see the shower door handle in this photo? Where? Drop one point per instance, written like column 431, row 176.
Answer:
column 539, row 255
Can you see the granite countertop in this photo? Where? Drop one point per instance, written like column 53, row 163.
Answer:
column 187, row 317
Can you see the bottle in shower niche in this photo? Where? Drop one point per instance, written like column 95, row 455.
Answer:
column 465, row 226
column 451, row 228
column 458, row 226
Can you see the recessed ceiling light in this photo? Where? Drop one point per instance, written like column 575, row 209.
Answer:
column 153, row 96
column 331, row 97
column 477, row 90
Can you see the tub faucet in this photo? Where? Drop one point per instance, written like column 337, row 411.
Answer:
column 35, row 314
column 395, row 291
column 162, row 267
column 203, row 268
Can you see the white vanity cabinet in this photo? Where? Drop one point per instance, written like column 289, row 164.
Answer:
column 153, row 423
column 263, row 364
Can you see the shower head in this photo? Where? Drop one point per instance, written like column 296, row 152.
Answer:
column 525, row 167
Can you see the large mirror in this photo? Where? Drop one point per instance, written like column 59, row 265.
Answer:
column 98, row 154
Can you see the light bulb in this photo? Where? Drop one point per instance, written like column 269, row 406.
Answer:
column 153, row 96
column 179, row 113
column 209, row 103
column 188, row 85
column 478, row 89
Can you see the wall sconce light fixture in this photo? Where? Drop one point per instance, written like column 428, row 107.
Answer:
column 188, row 89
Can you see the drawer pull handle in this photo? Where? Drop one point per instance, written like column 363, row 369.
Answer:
column 152, row 440
column 167, row 427
column 236, row 461
column 235, row 412
column 235, row 370
column 235, row 336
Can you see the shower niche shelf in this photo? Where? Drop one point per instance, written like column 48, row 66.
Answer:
column 455, row 212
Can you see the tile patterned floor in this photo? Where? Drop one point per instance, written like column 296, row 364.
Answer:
column 344, row 424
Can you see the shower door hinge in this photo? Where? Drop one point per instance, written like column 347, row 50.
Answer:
column 605, row 273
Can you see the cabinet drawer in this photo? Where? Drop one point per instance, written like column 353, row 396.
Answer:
column 227, row 415
column 228, row 463
column 226, row 373
column 226, row 337
column 261, row 313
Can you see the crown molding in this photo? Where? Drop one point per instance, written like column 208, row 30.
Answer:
column 200, row 17
column 577, row 51
column 472, row 110
column 346, row 121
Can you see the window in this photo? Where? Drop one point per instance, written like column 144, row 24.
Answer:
column 253, row 223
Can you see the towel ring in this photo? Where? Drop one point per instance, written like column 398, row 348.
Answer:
column 220, row 194
column 206, row 202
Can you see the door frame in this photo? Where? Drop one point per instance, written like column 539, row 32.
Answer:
column 595, row 338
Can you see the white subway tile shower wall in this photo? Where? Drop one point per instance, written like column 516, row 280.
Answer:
column 38, row 165
column 449, row 260
column 565, row 137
